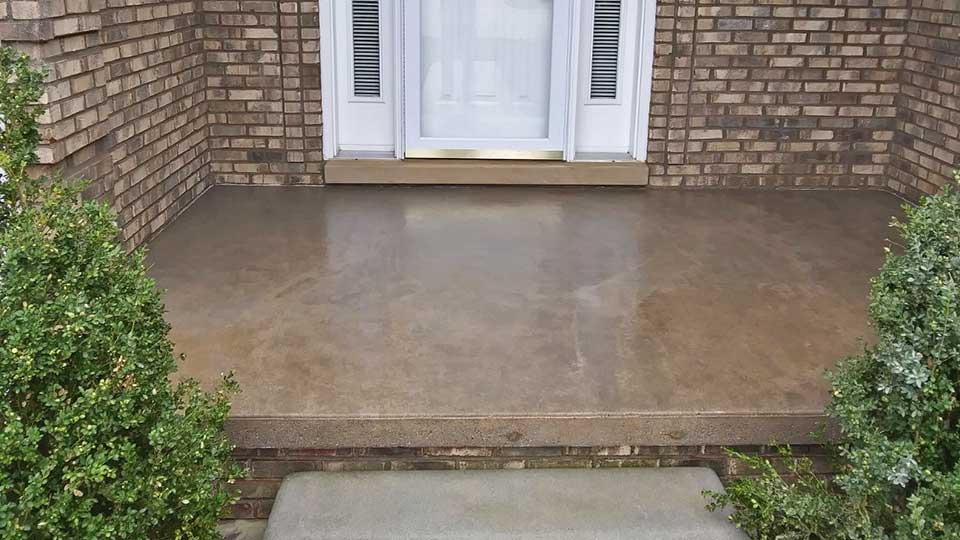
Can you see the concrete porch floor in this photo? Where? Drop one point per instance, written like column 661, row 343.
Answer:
column 485, row 316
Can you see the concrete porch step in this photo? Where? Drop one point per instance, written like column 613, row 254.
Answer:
column 555, row 504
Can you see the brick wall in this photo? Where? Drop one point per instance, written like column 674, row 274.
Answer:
column 927, row 145
column 263, row 91
column 760, row 93
column 125, row 99
column 156, row 100
column 267, row 467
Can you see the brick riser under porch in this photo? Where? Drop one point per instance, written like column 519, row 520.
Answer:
column 268, row 467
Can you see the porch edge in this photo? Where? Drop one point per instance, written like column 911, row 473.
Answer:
column 498, row 431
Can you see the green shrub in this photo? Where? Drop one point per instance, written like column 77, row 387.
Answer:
column 95, row 442
column 805, row 507
column 20, row 88
column 896, row 404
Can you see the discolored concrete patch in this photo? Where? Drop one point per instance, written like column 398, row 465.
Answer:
column 531, row 316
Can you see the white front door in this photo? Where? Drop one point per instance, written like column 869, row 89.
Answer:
column 486, row 78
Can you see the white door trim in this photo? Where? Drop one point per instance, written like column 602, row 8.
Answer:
column 573, row 71
column 641, row 131
column 328, row 80
column 400, row 142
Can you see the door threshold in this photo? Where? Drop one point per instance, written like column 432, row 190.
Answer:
column 485, row 172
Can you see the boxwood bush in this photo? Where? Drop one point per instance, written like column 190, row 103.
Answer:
column 896, row 404
column 95, row 441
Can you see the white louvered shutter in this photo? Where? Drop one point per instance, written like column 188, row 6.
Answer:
column 605, row 60
column 365, row 15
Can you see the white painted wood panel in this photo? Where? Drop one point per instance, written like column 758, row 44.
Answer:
column 358, row 123
column 605, row 125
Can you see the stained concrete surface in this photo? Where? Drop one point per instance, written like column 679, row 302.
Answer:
column 641, row 504
column 395, row 304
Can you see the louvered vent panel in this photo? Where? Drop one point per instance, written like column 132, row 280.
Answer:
column 366, row 48
column 606, row 49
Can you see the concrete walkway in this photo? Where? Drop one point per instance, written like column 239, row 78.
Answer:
column 635, row 504
column 372, row 316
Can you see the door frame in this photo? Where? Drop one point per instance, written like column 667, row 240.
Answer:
column 641, row 117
